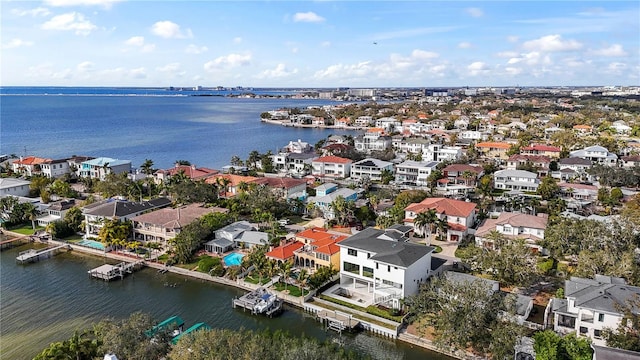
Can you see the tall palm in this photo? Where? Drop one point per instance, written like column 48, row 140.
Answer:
column 285, row 271
column 32, row 213
column 303, row 277
column 424, row 219
column 148, row 170
column 442, row 226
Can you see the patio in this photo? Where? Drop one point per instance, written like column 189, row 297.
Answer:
column 357, row 295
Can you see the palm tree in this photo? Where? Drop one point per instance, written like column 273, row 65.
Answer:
column 147, row 169
column 285, row 271
column 424, row 219
column 468, row 175
column 32, row 212
column 303, row 277
column 442, row 225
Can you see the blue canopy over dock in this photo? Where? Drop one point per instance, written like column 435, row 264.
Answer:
column 174, row 322
column 196, row 327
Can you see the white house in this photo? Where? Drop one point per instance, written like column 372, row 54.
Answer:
column 29, row 165
column 596, row 153
column 370, row 167
column 437, row 152
column 373, row 140
column 382, row 269
column 590, row 306
column 331, row 166
column 55, row 168
column 298, row 147
column 415, row 172
column 513, row 226
column 14, row 187
column 55, row 212
column 389, row 124
column 516, row 180
column 238, row 234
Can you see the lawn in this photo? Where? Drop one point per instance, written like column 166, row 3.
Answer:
column 369, row 309
column 25, row 229
column 73, row 238
column 292, row 289
column 255, row 279
column 192, row 265
column 363, row 318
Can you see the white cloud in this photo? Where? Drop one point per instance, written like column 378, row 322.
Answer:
column 280, row 71
column 531, row 58
column 135, row 41
column 228, row 61
column 423, row 55
column 194, row 49
column 16, row 43
column 139, row 73
column 616, row 68
column 138, row 41
column 341, row 71
column 474, row 12
column 170, row 30
column 478, row 68
column 512, row 38
column 84, row 66
column 70, row 21
column 104, row 3
column 513, row 71
column 551, row 43
column 308, row 17
column 46, row 71
column 507, row 54
column 326, row 44
column 439, row 70
column 465, row 45
column 39, row 11
column 614, row 50
column 237, row 40
column 172, row 67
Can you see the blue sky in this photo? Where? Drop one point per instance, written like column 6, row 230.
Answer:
column 319, row 43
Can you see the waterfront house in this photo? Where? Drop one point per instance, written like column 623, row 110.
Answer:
column 99, row 168
column 55, row 212
column 284, row 252
column 192, row 172
column 29, row 166
column 75, row 163
column 596, row 153
column 14, row 187
column 458, row 215
column 240, row 234
column 370, row 167
column 331, row 166
column 320, row 249
column 230, row 185
column 55, row 168
column 379, row 270
column 515, row 180
column 164, row 224
column 293, row 163
column 285, row 187
column 512, row 226
column 115, row 209
column 298, row 147
column 389, row 124
column 590, row 306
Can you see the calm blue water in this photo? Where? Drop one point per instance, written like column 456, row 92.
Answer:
column 233, row 259
column 206, row 130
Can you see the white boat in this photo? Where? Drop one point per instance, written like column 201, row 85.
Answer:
column 266, row 301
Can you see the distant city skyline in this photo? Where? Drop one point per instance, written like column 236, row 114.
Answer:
column 321, row 44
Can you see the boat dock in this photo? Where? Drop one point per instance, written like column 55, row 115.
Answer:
column 259, row 301
column 33, row 255
column 109, row 272
column 336, row 320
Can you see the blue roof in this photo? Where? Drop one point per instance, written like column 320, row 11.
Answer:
column 196, row 327
column 103, row 160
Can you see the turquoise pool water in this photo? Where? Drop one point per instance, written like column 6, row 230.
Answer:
column 92, row 244
column 233, row 259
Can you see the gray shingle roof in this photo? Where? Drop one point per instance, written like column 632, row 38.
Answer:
column 603, row 294
column 387, row 251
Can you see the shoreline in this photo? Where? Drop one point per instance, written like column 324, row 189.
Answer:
column 298, row 302
column 312, row 126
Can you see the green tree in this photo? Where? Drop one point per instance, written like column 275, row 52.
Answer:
column 426, row 218
column 627, row 334
column 74, row 219
column 548, row 188
column 81, row 346
column 128, row 339
column 386, row 176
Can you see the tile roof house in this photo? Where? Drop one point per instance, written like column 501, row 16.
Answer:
column 370, row 167
column 513, row 226
column 493, row 150
column 286, row 187
column 191, row 171
column 96, row 213
column 539, row 149
column 540, row 162
column 459, row 215
column 164, row 224
column 320, row 248
column 230, row 184
column 29, row 165
column 285, row 252
column 382, row 270
column 591, row 306
column 331, row 166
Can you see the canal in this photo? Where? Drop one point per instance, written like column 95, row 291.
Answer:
column 46, row 301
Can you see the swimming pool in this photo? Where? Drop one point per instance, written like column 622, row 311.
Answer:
column 233, row 259
column 92, row 244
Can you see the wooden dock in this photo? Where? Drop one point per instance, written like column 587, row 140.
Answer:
column 16, row 241
column 259, row 301
column 33, row 255
column 108, row 272
column 336, row 320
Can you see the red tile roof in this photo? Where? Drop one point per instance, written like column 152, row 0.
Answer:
column 190, row 171
column 463, row 168
column 333, row 159
column 31, row 160
column 496, row 145
column 285, row 251
column 530, row 158
column 538, row 147
column 281, row 183
column 443, row 206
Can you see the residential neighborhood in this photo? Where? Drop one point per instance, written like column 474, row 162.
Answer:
column 527, row 204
